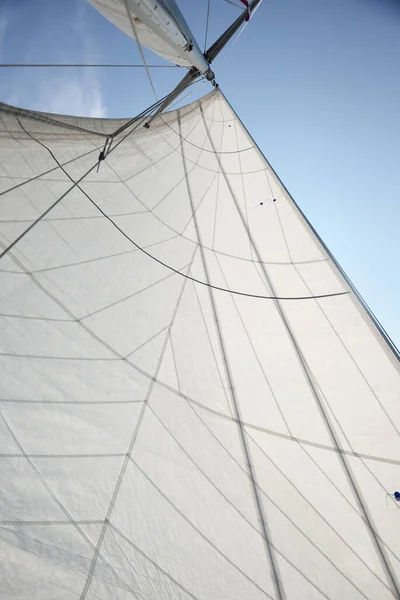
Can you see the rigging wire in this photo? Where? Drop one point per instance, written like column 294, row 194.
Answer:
column 97, row 148
column 154, row 106
column 141, row 116
column 233, row 43
column 181, row 99
column 139, row 119
column 194, row 279
column 238, row 36
column 89, row 65
column 34, row 116
column 234, row 4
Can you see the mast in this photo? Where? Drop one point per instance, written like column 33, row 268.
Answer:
column 210, row 55
column 196, row 56
column 160, row 26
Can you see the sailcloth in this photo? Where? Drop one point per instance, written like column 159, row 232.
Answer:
column 194, row 402
column 158, row 25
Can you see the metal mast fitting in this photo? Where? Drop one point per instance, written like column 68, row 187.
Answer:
column 209, row 56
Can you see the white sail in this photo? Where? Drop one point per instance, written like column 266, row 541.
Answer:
column 194, row 402
column 159, row 26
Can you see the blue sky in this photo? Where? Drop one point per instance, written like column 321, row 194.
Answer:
column 316, row 82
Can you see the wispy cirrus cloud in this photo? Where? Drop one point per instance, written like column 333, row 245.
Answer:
column 71, row 91
column 3, row 28
column 71, row 94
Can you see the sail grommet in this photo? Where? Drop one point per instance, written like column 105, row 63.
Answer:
column 395, row 495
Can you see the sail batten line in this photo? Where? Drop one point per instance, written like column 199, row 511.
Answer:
column 279, row 508
column 389, row 345
column 212, row 411
column 23, row 234
column 36, row 177
column 131, row 447
column 71, row 521
column 217, row 366
column 33, row 116
column 325, row 521
column 250, row 341
column 90, row 260
column 276, row 577
column 312, row 383
column 67, row 402
column 190, row 399
column 36, row 318
column 202, row 535
column 45, row 118
column 128, row 297
column 240, row 513
column 319, row 534
column 246, row 450
column 118, row 355
column 176, row 234
column 53, row 522
column 221, row 152
column 56, row 456
column 153, row 562
column 255, row 354
column 341, row 341
column 194, row 279
column 194, row 218
column 153, row 337
column 367, row 467
column 67, row 358
column 75, row 183
column 203, row 473
column 190, row 403
column 212, row 286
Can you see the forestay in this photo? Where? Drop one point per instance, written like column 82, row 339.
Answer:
column 169, row 429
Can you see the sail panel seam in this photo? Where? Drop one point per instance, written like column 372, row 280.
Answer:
column 242, row 436
column 128, row 457
column 310, row 380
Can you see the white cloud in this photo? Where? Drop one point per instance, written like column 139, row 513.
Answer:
column 64, row 91
column 71, row 94
column 4, row 23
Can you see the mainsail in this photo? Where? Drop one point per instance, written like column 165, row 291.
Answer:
column 159, row 26
column 194, row 401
